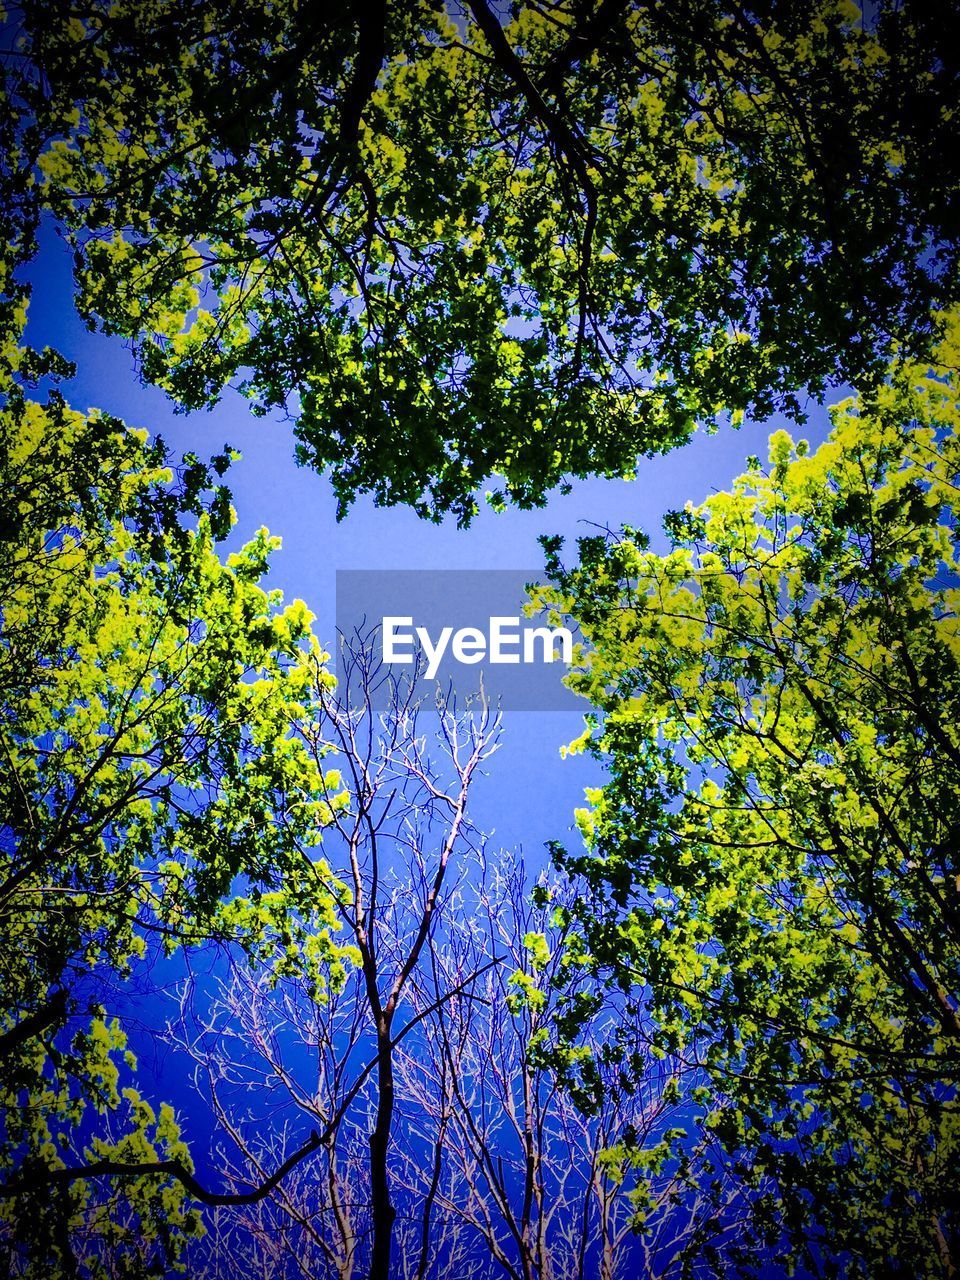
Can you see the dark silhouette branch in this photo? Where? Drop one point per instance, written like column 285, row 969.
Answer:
column 584, row 39
column 565, row 140
column 371, row 18
column 167, row 1168
column 34, row 1023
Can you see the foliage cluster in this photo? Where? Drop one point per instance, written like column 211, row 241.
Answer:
column 453, row 248
column 774, row 854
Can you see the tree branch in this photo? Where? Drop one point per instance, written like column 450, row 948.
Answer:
column 168, row 1168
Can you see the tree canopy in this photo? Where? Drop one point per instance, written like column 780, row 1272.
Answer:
column 461, row 240
column 462, row 243
column 774, row 855
column 153, row 797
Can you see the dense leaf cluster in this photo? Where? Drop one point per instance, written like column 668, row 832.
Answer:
column 775, row 853
column 153, row 795
column 455, row 242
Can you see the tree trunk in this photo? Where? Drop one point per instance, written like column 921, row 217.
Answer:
column 383, row 1212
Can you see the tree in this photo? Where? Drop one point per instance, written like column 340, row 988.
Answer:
column 532, row 1180
column 773, row 857
column 154, row 796
column 495, row 1168
column 456, row 242
column 445, row 1147
column 333, row 1055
